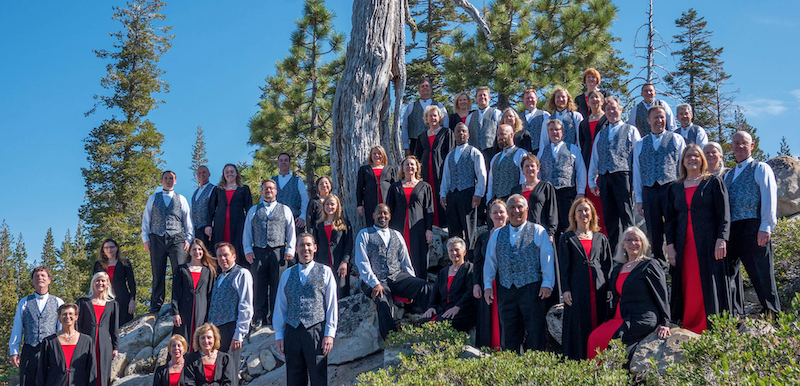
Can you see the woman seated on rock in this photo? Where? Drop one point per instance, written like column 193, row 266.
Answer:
column 171, row 373
column 451, row 296
column 640, row 296
column 207, row 365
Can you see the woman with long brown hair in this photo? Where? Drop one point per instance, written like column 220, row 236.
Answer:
column 227, row 209
column 334, row 237
column 119, row 269
column 373, row 182
column 191, row 290
column 314, row 209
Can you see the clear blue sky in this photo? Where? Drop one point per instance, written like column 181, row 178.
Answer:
column 222, row 53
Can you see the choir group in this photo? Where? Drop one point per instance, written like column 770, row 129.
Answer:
column 558, row 191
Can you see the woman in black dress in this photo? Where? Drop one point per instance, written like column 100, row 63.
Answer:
column 451, row 296
column 487, row 332
column 334, row 237
column 461, row 110
column 171, row 373
column 591, row 79
column 98, row 317
column 584, row 256
column 541, row 195
column 207, row 365
column 432, row 147
column 120, row 271
column 314, row 209
column 191, row 290
column 588, row 129
column 697, row 229
column 410, row 201
column 67, row 357
column 373, row 182
column 227, row 208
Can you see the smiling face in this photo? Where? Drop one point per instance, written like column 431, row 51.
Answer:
column 207, row 341
column 202, row 175
column 714, row 158
column 269, row 191
column 530, row 169
column 510, row 118
column 482, row 99
column 230, row 174
column 306, row 249
column 590, row 81
column 583, row 214
column 685, row 117
column 324, row 187
column 168, row 180
column 649, row 93
column 657, row 119
column 742, row 146
column 196, row 251
column 226, row 258
column 41, row 282
column 561, row 100
column 463, row 102
column 613, row 111
column 555, row 132
column 505, row 136
column 693, row 161
column 284, row 164
column 100, row 284
column 110, row 250
column 176, row 349
column 596, row 102
column 632, row 244
column 434, row 120
column 331, row 205
column 410, row 168
column 517, row 211
column 529, row 99
column 68, row 316
column 376, row 157
column 456, row 253
column 381, row 216
column 425, row 90
column 499, row 215
column 461, row 134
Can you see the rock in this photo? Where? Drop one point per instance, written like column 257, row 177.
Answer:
column 437, row 251
column 787, row 175
column 755, row 327
column 134, row 380
column 391, row 356
column 119, row 364
column 161, row 351
column 345, row 374
column 272, row 378
column 268, row 362
column 472, row 352
column 282, row 358
column 357, row 334
column 137, row 334
column 146, row 353
column 254, row 366
column 663, row 351
column 555, row 320
column 163, row 328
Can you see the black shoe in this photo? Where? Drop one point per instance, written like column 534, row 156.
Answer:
column 258, row 323
column 268, row 320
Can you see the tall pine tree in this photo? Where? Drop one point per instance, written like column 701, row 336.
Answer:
column 123, row 152
column 784, row 150
column 739, row 123
column 8, row 291
column 198, row 153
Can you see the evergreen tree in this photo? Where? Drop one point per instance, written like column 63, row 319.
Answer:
column 22, row 282
column 8, row 291
column 295, row 115
column 73, row 279
column 739, row 123
column 123, row 153
column 536, row 43
column 198, row 153
column 785, row 150
column 49, row 259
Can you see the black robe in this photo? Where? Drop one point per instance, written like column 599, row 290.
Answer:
column 420, row 215
column 643, row 303
column 185, row 296
column 314, row 212
column 341, row 245
column 124, row 286
column 106, row 334
column 483, row 329
column 53, row 364
column 575, row 268
column 583, row 107
column 161, row 376
column 241, row 201
column 587, row 140
column 442, row 144
column 367, row 189
column 195, row 374
column 710, row 221
column 459, row 295
column 454, row 119
column 542, row 205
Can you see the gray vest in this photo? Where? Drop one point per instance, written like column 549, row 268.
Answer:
column 35, row 325
column 305, row 303
column 416, row 124
column 269, row 230
column 659, row 166
column 534, row 127
column 691, row 135
column 224, row 306
column 570, row 128
column 385, row 261
column 462, row 173
column 166, row 219
column 289, row 195
column 559, row 171
column 517, row 265
column 743, row 194
column 200, row 206
column 641, row 116
column 482, row 132
column 615, row 154
column 505, row 174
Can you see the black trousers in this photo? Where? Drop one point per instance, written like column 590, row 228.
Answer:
column 616, row 198
column 654, row 204
column 28, row 364
column 462, row 218
column 405, row 286
column 564, row 199
column 226, row 332
column 304, row 358
column 162, row 247
column 522, row 317
column 758, row 262
column 266, row 269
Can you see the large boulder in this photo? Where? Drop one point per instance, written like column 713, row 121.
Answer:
column 664, row 351
column 137, row 334
column 787, row 175
column 555, row 320
column 357, row 334
column 134, row 380
column 272, row 378
column 162, row 328
column 437, row 249
column 119, row 364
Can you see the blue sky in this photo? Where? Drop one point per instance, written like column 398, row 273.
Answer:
column 220, row 56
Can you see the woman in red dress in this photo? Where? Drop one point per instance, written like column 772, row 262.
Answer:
column 487, row 331
column 207, row 365
column 227, row 209
column 67, row 357
column 119, row 269
column 451, row 296
column 697, row 227
column 191, row 290
column 334, row 236
column 98, row 317
column 171, row 373
column 373, row 182
column 589, row 127
column 432, row 148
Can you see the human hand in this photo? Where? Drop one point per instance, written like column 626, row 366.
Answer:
column 147, row 246
column 428, row 236
column 132, row 306
column 721, row 249
column 186, row 246
column 451, row 313
column 763, row 238
column 250, row 257
column 595, row 191
column 567, row 295
column 288, row 256
column 342, row 271
column 176, row 320
column 208, row 231
column 488, row 294
column 579, row 196
column 300, row 223
column 476, row 291
column 279, row 346
column 640, row 209
column 114, row 354
column 429, row 313
column 671, row 254
column 236, row 344
column 327, row 344
column 545, row 292
column 378, row 290
column 15, row 360
column 663, row 331
column 360, row 210
column 476, row 200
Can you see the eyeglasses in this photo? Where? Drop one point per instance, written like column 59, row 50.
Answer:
column 631, row 241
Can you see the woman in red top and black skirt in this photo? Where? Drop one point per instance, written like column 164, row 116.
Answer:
column 227, row 209
column 373, row 182
column 119, row 269
column 334, row 237
column 588, row 129
column 432, row 148
column 67, row 357
column 98, row 318
column 171, row 373
column 191, row 290
column 207, row 365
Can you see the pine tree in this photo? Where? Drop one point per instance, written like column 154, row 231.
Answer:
column 785, row 150
column 123, row 153
column 739, row 123
column 198, row 153
column 75, row 269
column 22, row 282
column 8, row 292
column 537, row 43
column 49, row 259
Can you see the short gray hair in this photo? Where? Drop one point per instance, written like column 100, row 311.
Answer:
column 456, row 240
column 556, row 122
column 684, row 106
column 518, row 196
column 715, row 145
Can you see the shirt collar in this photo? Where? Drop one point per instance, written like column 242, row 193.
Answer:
column 483, row 111
column 424, row 100
column 43, row 297
column 744, row 163
column 307, row 266
column 379, row 229
column 462, row 147
column 531, row 111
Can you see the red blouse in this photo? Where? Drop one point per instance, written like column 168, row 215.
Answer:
column 110, row 272
column 69, row 349
column 209, row 370
column 174, row 378
column 195, row 278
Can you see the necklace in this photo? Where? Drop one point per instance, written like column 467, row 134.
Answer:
column 68, row 337
column 175, row 364
column 693, row 179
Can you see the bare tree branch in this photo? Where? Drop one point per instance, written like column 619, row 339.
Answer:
column 473, row 12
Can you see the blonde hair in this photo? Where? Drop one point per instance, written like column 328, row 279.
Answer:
column 517, row 122
column 703, row 163
column 455, row 101
column 551, row 102
column 179, row 338
column 201, row 331
column 428, row 111
column 593, row 222
column 417, row 175
column 337, row 219
column 383, row 155
column 108, row 293
column 621, row 256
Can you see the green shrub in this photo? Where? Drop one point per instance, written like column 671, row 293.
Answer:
column 786, row 249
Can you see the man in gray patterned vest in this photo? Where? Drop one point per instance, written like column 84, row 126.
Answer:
column 306, row 316
column 291, row 191
column 656, row 161
column 231, row 306
column 483, row 123
column 36, row 318
column 534, row 120
column 753, row 197
column 638, row 116
column 463, row 187
column 200, row 206
column 268, row 242
column 167, row 231
column 413, row 124
column 505, row 172
column 385, row 269
column 563, row 166
column 689, row 131
column 520, row 256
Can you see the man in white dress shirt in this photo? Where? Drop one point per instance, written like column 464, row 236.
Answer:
column 36, row 318
column 690, row 132
column 505, row 172
column 533, row 119
column 638, row 115
column 482, row 123
column 167, row 231
column 562, row 165
column 306, row 316
column 292, row 191
column 752, row 192
column 200, row 218
column 413, row 124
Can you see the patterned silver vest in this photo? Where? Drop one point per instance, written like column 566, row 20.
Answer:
column 660, row 165
column 289, row 195
column 416, row 123
column 200, row 206
column 505, row 174
column 482, row 132
column 269, row 230
column 558, row 170
column 743, row 194
column 517, row 264
column 224, row 306
column 570, row 126
column 641, row 116
column 534, row 127
column 462, row 173
column 615, row 154
column 166, row 219
column 305, row 303
column 385, row 261
column 691, row 135
column 35, row 325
